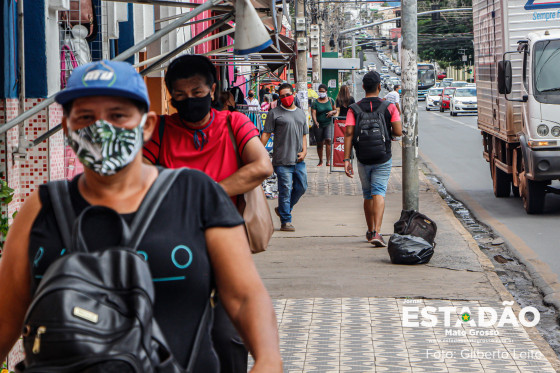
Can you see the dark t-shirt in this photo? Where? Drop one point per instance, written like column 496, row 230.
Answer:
column 370, row 104
column 344, row 109
column 175, row 248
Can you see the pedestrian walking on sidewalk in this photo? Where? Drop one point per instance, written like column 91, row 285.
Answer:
column 198, row 137
column 370, row 125
column 323, row 110
column 106, row 119
column 343, row 101
column 289, row 125
column 394, row 96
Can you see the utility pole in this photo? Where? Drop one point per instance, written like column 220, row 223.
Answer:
column 409, row 70
column 301, row 59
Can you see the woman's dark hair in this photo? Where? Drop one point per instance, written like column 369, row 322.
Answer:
column 188, row 66
column 343, row 97
column 324, row 86
column 266, row 99
column 221, row 102
column 284, row 86
column 238, row 95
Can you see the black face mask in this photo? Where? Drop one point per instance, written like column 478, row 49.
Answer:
column 193, row 109
column 251, row 95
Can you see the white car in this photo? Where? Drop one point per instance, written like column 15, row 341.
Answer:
column 433, row 98
column 459, row 83
column 384, row 69
column 446, row 82
column 372, row 67
column 463, row 101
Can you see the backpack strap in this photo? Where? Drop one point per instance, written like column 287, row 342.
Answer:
column 357, row 113
column 161, row 129
column 381, row 110
column 59, row 194
column 204, row 320
column 150, row 204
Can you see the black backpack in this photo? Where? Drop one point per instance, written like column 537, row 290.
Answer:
column 93, row 311
column 416, row 224
column 371, row 134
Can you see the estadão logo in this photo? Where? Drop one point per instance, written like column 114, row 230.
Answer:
column 541, row 4
column 487, row 316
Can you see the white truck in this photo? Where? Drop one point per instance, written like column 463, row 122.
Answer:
column 517, row 65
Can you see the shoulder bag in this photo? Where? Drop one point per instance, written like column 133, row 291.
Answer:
column 254, row 209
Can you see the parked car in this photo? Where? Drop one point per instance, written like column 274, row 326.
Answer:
column 384, row 69
column 463, row 101
column 372, row 67
column 458, row 84
column 446, row 82
column 433, row 98
column 398, row 70
column 446, row 98
column 391, row 82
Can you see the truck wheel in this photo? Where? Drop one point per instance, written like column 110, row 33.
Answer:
column 501, row 183
column 533, row 196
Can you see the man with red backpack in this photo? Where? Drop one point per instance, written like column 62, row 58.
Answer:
column 370, row 126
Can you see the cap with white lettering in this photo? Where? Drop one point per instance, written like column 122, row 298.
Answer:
column 105, row 78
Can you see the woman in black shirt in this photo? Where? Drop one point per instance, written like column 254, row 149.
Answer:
column 343, row 101
column 196, row 241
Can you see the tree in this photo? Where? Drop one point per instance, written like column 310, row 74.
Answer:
column 442, row 40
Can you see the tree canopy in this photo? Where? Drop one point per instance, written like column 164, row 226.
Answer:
column 443, row 40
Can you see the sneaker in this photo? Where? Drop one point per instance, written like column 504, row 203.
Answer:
column 378, row 241
column 287, row 227
column 369, row 236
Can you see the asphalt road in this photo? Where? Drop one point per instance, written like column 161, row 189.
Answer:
column 452, row 148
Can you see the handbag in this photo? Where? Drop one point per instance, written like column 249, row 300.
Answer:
column 254, row 209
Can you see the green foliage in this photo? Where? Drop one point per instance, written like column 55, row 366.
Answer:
column 442, row 40
column 6, row 196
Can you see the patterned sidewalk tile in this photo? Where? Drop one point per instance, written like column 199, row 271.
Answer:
column 368, row 335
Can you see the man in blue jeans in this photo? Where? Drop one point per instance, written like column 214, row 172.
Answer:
column 289, row 125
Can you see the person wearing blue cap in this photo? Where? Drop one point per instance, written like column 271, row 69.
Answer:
column 188, row 245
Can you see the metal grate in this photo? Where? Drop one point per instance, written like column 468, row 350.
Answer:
column 83, row 35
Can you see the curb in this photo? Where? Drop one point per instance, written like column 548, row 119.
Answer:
column 495, row 281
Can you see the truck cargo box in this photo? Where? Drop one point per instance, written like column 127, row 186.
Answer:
column 498, row 26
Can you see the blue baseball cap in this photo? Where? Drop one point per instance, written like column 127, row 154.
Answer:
column 105, row 78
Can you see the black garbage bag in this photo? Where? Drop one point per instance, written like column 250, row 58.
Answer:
column 407, row 249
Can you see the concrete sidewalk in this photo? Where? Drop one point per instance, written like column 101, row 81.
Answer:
column 342, row 305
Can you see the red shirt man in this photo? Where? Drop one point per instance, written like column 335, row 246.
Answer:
column 209, row 149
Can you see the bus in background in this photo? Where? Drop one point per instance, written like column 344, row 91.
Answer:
column 426, row 79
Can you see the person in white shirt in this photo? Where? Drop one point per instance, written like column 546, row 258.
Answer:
column 252, row 101
column 395, row 97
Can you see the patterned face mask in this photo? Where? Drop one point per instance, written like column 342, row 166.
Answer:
column 104, row 148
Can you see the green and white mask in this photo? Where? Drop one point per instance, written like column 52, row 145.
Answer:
column 104, row 148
